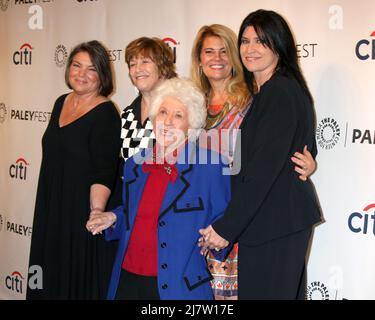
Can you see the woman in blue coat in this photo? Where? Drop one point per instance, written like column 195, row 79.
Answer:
column 169, row 194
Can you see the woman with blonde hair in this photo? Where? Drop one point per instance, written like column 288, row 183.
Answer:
column 217, row 71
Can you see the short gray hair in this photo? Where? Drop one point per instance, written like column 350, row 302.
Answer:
column 188, row 94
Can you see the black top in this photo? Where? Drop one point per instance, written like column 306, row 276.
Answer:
column 268, row 200
column 76, row 264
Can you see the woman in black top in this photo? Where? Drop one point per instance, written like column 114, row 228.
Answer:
column 271, row 213
column 81, row 146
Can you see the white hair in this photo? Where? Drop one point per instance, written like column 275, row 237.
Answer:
column 188, row 94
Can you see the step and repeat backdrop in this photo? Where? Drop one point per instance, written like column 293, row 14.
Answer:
column 336, row 47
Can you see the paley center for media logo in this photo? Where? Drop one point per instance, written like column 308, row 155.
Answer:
column 4, row 4
column 363, row 222
column 317, row 290
column 365, row 48
column 328, row 133
column 61, row 55
column 23, row 56
column 172, row 43
column 3, row 112
column 18, row 170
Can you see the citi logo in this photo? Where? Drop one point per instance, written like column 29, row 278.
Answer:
column 14, row 282
column 24, row 55
column 19, row 169
column 365, row 49
column 363, row 222
column 172, row 43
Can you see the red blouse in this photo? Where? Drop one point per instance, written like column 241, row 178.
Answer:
column 141, row 255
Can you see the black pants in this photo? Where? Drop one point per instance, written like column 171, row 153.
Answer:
column 274, row 270
column 136, row 287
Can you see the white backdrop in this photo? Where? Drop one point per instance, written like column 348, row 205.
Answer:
column 337, row 53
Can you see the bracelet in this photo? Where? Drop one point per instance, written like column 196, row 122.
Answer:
column 98, row 209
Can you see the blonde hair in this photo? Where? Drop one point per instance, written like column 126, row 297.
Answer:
column 238, row 93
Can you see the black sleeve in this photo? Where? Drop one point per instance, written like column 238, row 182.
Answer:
column 105, row 145
column 276, row 123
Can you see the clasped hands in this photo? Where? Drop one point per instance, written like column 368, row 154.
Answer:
column 100, row 221
column 211, row 240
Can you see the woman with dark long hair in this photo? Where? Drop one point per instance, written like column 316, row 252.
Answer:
column 271, row 213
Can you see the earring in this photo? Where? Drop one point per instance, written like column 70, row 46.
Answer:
column 200, row 71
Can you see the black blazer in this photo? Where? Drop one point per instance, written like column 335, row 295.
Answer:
column 268, row 199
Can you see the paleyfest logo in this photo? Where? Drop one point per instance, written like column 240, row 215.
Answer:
column 363, row 222
column 365, row 49
column 328, row 133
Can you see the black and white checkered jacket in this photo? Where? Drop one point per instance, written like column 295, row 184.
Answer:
column 136, row 136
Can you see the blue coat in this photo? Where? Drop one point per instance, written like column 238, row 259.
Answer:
column 197, row 198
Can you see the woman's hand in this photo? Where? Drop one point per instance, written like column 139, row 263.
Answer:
column 211, row 239
column 100, row 221
column 305, row 164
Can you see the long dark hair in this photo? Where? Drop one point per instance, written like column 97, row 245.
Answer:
column 274, row 32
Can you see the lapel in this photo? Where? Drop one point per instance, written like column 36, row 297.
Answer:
column 176, row 190
column 133, row 185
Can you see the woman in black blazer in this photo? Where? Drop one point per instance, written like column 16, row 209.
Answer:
column 271, row 213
